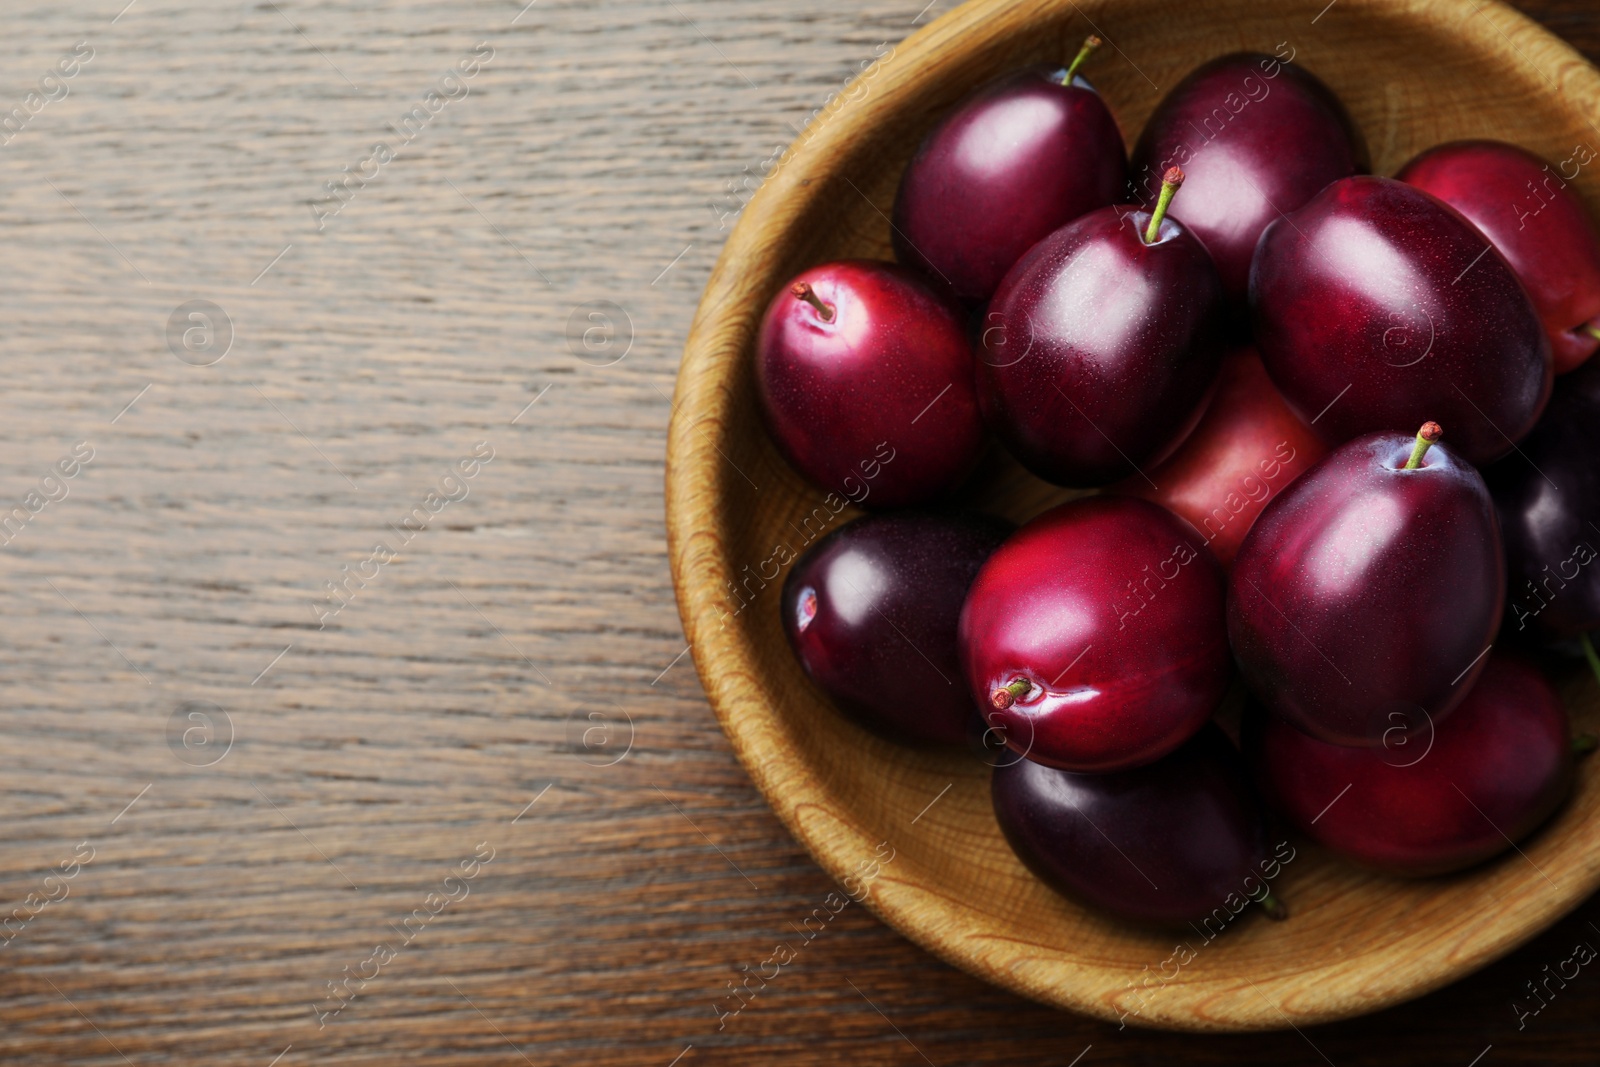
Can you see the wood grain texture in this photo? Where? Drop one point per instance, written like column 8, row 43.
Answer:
column 595, row 147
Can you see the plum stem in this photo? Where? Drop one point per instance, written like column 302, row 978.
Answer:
column 1276, row 910
column 1427, row 437
column 1592, row 330
column 1090, row 43
column 1005, row 696
column 1169, row 187
column 1589, row 654
column 1584, row 744
column 803, row 291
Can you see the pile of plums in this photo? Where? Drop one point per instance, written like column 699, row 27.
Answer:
column 1319, row 405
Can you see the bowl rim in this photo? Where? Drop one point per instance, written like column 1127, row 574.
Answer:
column 704, row 397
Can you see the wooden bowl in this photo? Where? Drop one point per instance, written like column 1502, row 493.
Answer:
column 1413, row 73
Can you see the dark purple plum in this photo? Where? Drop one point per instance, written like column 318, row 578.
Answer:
column 1377, row 307
column 1021, row 156
column 1434, row 802
column 865, row 376
column 1548, row 498
column 1173, row 842
column 871, row 613
column 1365, row 596
column 1258, row 137
column 1102, row 344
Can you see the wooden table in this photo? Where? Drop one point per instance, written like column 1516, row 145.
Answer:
column 470, row 807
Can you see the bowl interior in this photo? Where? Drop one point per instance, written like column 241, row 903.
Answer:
column 1412, row 74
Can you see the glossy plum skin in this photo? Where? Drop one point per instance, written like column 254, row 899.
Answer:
column 1548, row 499
column 1113, row 610
column 1362, row 600
column 1017, row 159
column 1440, row 801
column 1257, row 137
column 877, row 404
column 871, row 612
column 1377, row 307
column 1247, row 448
column 1536, row 221
column 1166, row 844
column 1098, row 349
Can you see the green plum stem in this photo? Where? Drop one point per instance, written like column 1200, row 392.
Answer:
column 1592, row 331
column 1169, row 188
column 1584, row 744
column 1589, row 654
column 1276, row 910
column 1008, row 694
column 1090, row 43
column 1427, row 437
